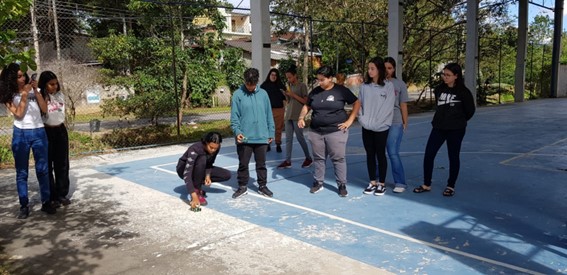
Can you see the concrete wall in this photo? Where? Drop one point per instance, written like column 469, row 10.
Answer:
column 562, row 81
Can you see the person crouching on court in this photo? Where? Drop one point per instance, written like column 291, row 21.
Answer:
column 196, row 168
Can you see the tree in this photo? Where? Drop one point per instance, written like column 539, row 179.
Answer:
column 233, row 67
column 563, row 59
column 356, row 30
column 12, row 49
column 75, row 80
column 164, row 29
column 352, row 30
column 540, row 37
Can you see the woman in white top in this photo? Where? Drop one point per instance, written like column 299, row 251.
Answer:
column 57, row 136
column 26, row 104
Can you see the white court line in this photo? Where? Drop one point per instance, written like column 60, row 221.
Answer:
column 375, row 229
column 532, row 152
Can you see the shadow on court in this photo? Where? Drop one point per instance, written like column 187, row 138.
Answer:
column 507, row 215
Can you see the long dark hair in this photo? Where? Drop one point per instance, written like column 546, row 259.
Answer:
column 9, row 82
column 43, row 79
column 392, row 61
column 379, row 63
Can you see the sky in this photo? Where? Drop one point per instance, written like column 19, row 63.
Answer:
column 243, row 3
column 513, row 9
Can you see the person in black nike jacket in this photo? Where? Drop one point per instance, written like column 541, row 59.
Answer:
column 455, row 106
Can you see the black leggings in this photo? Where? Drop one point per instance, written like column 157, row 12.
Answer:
column 375, row 147
column 437, row 137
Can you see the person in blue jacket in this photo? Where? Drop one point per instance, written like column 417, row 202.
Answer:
column 252, row 122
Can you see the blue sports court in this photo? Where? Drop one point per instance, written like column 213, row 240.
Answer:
column 508, row 215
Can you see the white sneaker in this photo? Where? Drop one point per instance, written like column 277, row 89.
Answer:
column 399, row 189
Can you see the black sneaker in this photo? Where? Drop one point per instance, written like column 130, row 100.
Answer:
column 48, row 208
column 370, row 189
column 316, row 187
column 55, row 204
column 342, row 190
column 24, row 212
column 380, row 190
column 263, row 190
column 242, row 190
column 64, row 201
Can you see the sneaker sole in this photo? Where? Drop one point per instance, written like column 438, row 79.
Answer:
column 398, row 191
column 265, row 195
column 379, row 194
column 343, row 196
column 368, row 193
column 240, row 195
column 317, row 191
column 287, row 167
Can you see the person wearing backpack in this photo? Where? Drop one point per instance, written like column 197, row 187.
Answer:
column 196, row 168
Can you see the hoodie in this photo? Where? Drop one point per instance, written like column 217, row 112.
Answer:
column 455, row 106
column 186, row 163
column 251, row 115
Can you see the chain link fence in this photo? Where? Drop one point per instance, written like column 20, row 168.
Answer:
column 61, row 35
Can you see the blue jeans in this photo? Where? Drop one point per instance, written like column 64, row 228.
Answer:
column 22, row 141
column 393, row 146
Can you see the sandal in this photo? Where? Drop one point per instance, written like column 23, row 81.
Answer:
column 449, row 191
column 422, row 189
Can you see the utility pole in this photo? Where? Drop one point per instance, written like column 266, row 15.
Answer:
column 35, row 37
column 56, row 26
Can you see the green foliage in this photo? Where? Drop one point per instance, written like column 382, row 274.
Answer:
column 5, row 151
column 143, row 62
column 12, row 49
column 563, row 58
column 154, row 98
column 114, row 51
column 163, row 134
column 203, row 77
column 80, row 143
column 233, row 67
column 340, row 34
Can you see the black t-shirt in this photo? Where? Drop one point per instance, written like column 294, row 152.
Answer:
column 329, row 107
column 277, row 97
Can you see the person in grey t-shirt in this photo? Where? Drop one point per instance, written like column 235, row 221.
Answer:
column 375, row 116
column 399, row 125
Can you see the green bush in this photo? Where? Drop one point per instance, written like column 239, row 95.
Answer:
column 162, row 134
